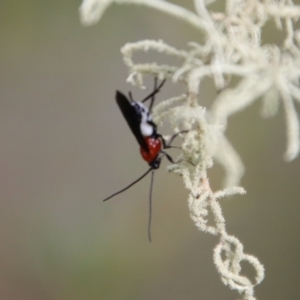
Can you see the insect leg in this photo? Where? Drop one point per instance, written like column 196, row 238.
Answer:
column 170, row 159
column 167, row 145
column 153, row 96
column 156, row 90
column 130, row 97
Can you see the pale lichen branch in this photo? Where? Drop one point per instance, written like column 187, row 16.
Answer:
column 243, row 70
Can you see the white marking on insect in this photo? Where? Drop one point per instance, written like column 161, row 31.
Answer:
column 145, row 127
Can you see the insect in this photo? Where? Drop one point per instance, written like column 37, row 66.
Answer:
column 139, row 119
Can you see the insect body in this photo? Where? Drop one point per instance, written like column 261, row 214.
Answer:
column 139, row 119
column 143, row 128
column 154, row 148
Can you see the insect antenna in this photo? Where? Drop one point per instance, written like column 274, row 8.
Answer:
column 130, row 185
column 150, row 207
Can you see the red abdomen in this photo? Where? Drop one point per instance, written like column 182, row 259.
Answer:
column 154, row 146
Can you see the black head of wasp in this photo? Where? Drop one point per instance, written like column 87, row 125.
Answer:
column 139, row 119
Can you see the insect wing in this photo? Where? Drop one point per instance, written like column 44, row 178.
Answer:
column 132, row 118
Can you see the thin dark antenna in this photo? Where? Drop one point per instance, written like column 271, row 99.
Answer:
column 130, row 185
column 150, row 207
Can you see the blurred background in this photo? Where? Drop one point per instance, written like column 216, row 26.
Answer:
column 65, row 146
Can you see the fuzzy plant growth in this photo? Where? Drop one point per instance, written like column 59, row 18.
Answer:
column 232, row 47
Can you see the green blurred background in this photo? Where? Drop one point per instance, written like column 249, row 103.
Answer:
column 65, row 146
